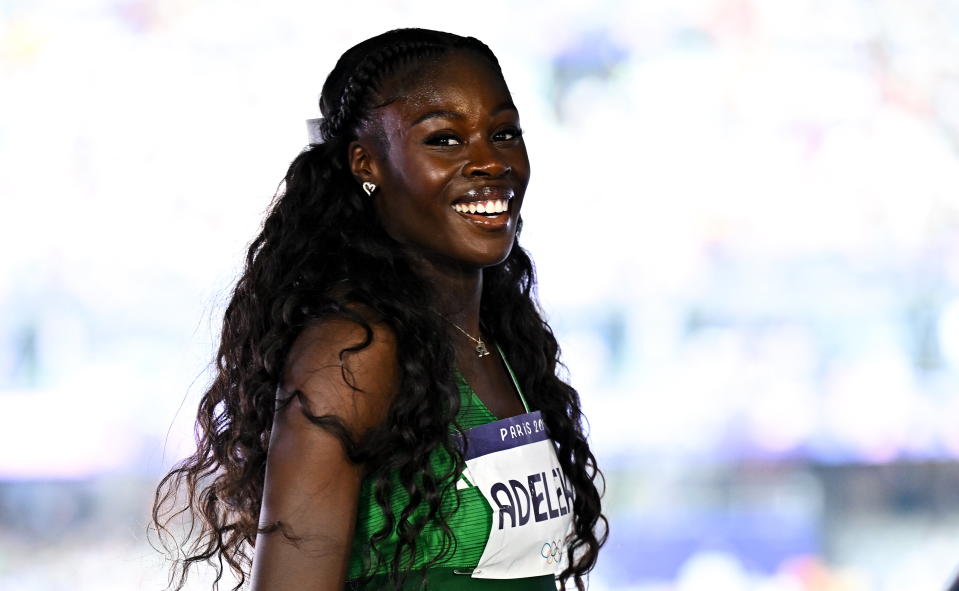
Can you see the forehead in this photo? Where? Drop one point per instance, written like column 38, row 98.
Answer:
column 460, row 81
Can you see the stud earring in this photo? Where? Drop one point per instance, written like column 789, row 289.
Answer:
column 369, row 188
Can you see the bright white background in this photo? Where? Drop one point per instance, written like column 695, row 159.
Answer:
column 745, row 216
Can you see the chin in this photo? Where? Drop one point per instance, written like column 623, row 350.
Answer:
column 489, row 257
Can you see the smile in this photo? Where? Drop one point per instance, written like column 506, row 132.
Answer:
column 490, row 208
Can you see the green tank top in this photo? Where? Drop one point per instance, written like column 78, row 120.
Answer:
column 470, row 523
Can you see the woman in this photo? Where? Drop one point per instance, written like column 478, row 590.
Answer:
column 384, row 379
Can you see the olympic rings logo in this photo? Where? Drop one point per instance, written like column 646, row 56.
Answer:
column 552, row 552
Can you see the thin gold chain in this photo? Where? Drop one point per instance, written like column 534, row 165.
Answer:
column 481, row 350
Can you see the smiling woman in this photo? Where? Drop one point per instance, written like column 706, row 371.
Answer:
column 386, row 410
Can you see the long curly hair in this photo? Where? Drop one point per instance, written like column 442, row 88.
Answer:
column 321, row 252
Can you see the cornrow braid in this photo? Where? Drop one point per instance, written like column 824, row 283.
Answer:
column 352, row 104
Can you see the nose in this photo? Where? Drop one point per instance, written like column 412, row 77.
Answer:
column 486, row 161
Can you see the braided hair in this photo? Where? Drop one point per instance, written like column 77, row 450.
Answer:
column 321, row 252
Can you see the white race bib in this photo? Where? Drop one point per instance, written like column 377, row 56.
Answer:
column 514, row 464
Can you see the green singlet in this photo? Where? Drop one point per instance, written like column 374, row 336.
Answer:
column 470, row 525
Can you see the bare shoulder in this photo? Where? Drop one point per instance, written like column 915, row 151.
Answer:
column 345, row 369
column 311, row 487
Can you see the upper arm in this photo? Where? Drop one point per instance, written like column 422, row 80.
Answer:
column 311, row 487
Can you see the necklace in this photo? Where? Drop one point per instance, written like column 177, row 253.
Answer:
column 481, row 350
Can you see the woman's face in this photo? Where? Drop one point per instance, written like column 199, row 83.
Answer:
column 453, row 168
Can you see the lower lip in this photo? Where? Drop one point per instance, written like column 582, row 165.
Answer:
column 495, row 222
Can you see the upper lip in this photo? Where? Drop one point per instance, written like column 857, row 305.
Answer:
column 486, row 193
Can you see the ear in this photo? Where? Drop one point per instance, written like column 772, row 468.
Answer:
column 363, row 163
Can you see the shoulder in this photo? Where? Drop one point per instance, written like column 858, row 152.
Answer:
column 346, row 367
column 338, row 373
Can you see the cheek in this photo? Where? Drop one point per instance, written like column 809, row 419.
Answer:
column 413, row 205
column 524, row 166
column 422, row 179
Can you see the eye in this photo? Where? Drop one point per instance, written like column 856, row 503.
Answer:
column 442, row 139
column 507, row 134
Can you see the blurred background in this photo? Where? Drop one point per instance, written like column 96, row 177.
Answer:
column 745, row 215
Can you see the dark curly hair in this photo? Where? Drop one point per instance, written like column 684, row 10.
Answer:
column 321, row 252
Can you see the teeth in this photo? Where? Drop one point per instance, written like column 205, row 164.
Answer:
column 497, row 206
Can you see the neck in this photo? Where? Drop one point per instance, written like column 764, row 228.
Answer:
column 457, row 290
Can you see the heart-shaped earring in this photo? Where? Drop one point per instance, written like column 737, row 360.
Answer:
column 369, row 188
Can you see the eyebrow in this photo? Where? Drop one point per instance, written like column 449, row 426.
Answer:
column 443, row 113
column 437, row 114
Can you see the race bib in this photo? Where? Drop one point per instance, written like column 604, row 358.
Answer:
column 514, row 464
